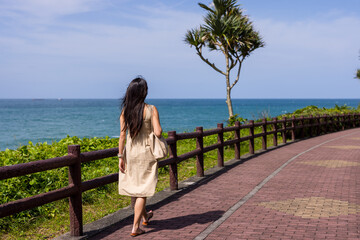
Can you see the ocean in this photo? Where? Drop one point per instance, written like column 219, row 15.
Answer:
column 47, row 120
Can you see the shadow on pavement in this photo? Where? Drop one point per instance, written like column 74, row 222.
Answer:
column 184, row 221
column 170, row 223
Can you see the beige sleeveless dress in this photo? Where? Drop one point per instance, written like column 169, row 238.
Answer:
column 141, row 168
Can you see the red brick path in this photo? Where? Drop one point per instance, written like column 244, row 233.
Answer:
column 315, row 196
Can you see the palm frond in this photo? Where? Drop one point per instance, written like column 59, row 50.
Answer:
column 193, row 38
column 206, row 7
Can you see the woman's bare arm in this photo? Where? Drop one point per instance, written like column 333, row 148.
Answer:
column 156, row 122
column 122, row 142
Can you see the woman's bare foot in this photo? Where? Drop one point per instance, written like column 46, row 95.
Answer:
column 137, row 232
column 149, row 215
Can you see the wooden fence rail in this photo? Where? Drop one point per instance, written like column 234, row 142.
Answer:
column 287, row 127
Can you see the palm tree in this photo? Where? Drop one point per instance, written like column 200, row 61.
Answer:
column 228, row 31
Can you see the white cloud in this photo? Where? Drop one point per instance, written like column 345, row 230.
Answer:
column 47, row 8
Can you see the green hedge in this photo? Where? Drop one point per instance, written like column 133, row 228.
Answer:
column 33, row 184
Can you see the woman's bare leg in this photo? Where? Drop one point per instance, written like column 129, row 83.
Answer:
column 139, row 209
column 144, row 214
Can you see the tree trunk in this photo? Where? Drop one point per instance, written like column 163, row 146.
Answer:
column 228, row 102
column 228, row 88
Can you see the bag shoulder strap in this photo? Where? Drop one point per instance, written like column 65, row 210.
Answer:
column 148, row 111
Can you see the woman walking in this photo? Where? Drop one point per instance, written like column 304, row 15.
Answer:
column 138, row 167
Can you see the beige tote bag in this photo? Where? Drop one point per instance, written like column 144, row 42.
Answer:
column 158, row 146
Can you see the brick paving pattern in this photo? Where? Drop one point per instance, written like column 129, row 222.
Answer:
column 315, row 196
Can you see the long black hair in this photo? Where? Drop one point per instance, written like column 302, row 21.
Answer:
column 133, row 104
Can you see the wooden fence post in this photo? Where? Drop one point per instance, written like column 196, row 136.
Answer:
column 251, row 140
column 331, row 123
column 293, row 128
column 75, row 201
column 221, row 148
column 339, row 125
column 349, row 120
column 343, row 121
column 264, row 137
column 200, row 156
column 237, row 136
column 275, row 137
column 284, row 130
column 353, row 120
column 318, row 129
column 302, row 129
column 173, row 167
column 311, row 128
column 326, row 119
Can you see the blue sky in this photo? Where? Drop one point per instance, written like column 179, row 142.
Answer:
column 93, row 48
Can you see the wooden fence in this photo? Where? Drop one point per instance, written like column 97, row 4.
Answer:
column 288, row 128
